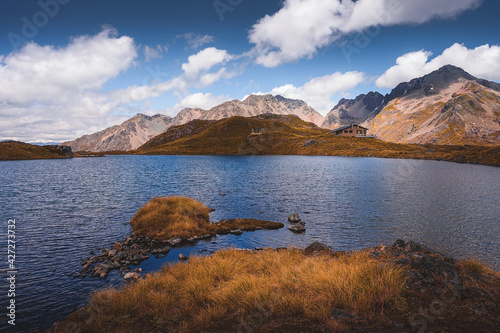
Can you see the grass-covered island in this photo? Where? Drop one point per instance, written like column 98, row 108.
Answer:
column 398, row 288
column 181, row 217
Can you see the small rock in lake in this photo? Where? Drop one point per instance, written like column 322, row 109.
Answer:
column 262, row 212
column 298, row 227
column 294, row 218
column 222, row 194
column 236, row 232
column 182, row 257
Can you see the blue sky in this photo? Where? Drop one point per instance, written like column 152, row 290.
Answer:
column 72, row 67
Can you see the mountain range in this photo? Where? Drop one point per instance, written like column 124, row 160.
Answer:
column 290, row 135
column 134, row 132
column 447, row 106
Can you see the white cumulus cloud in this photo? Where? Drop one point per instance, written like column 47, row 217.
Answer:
column 45, row 73
column 301, row 27
column 204, row 60
column 482, row 62
column 319, row 91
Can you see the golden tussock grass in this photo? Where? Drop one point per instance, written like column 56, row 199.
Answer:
column 163, row 218
column 474, row 266
column 231, row 287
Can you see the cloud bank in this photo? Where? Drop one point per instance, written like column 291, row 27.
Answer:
column 58, row 93
column 302, row 27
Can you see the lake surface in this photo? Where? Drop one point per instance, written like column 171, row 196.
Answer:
column 66, row 208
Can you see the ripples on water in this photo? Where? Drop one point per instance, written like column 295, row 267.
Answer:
column 66, row 208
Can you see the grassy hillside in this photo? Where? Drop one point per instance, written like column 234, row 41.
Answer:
column 288, row 135
column 15, row 150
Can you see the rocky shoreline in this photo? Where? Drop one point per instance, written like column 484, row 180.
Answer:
column 136, row 249
column 440, row 293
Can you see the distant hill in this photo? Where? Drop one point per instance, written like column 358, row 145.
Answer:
column 289, row 135
column 15, row 150
column 448, row 106
column 140, row 128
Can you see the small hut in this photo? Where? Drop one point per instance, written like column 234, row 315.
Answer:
column 258, row 130
column 351, row 130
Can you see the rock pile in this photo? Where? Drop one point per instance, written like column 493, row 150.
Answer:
column 297, row 226
column 132, row 251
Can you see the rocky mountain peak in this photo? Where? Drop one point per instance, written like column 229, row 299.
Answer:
column 268, row 98
column 357, row 110
column 433, row 83
column 447, row 106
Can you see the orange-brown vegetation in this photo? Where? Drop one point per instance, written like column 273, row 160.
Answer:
column 396, row 288
column 474, row 266
column 288, row 135
column 164, row 218
column 226, row 291
column 15, row 150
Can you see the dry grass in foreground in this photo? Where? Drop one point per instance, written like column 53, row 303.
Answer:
column 231, row 289
column 164, row 218
column 474, row 266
